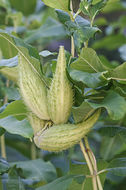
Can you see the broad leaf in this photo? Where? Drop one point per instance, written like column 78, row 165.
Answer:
column 83, row 34
column 30, row 55
column 114, row 103
column 47, row 53
column 63, row 16
column 79, row 113
column 92, row 8
column 111, row 130
column 110, row 146
column 74, row 186
column 2, row 131
column 114, row 41
column 12, row 93
column 10, row 72
column 14, row 181
column 91, row 80
column 7, row 49
column 36, row 170
column 16, row 43
column 63, row 5
column 88, row 61
column 118, row 167
column 26, row 7
column 61, row 183
column 16, row 109
column 12, row 62
column 50, row 30
column 4, row 166
column 110, row 8
column 14, row 126
column 82, row 169
column 119, row 73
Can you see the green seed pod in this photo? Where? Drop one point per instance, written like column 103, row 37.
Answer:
column 60, row 95
column 64, row 136
column 36, row 123
column 33, row 89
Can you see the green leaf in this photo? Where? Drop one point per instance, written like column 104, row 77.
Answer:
column 120, row 88
column 12, row 62
column 111, row 130
column 8, row 50
column 12, row 93
column 30, row 54
column 16, row 109
column 10, row 72
column 63, row 5
column 110, row 8
column 63, row 16
column 119, row 73
column 82, row 169
column 47, row 53
column 111, row 42
column 118, row 167
column 94, row 9
column 50, row 30
column 14, row 126
column 92, row 80
column 79, row 113
column 14, row 181
column 84, row 7
column 74, row 186
column 26, row 7
column 114, row 103
column 16, row 43
column 88, row 182
column 4, row 166
column 83, row 34
column 91, row 9
column 37, row 170
column 110, row 147
column 61, row 183
column 88, row 61
column 2, row 131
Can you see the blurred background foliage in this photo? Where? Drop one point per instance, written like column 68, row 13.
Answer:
column 39, row 26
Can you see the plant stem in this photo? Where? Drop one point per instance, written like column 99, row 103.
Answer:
column 94, row 163
column 3, row 150
column 2, row 138
column 72, row 39
column 83, row 149
column 33, row 151
column 72, row 46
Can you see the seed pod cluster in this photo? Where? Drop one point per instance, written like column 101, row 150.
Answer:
column 51, row 108
column 63, row 136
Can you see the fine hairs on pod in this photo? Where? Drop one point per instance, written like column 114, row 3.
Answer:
column 60, row 94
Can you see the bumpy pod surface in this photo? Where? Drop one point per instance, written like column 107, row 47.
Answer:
column 36, row 123
column 61, row 137
column 33, row 89
column 60, row 95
